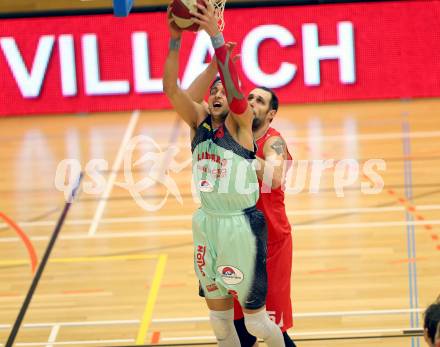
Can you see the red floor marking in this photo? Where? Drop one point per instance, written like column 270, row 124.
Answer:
column 155, row 337
column 419, row 217
column 408, row 260
column 391, row 192
column 26, row 241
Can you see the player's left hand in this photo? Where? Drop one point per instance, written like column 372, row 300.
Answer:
column 175, row 31
column 206, row 18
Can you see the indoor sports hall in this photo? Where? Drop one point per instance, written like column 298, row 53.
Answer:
column 96, row 199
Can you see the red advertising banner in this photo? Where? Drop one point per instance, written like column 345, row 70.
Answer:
column 306, row 53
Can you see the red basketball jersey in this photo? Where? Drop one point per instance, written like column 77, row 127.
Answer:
column 272, row 204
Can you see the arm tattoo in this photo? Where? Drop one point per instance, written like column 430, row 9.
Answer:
column 278, row 146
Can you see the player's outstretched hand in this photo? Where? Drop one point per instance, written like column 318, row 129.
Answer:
column 175, row 31
column 230, row 46
column 206, row 18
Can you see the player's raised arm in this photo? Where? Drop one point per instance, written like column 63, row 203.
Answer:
column 191, row 112
column 238, row 104
column 197, row 89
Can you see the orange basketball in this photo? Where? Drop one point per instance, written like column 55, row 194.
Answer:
column 180, row 11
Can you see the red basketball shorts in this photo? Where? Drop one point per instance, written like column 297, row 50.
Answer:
column 279, row 267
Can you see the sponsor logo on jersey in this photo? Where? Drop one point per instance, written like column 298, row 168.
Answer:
column 209, row 156
column 211, row 287
column 206, row 186
column 219, row 133
column 231, row 275
column 200, row 258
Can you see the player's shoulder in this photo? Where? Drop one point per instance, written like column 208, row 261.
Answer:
column 271, row 132
column 272, row 136
column 274, row 142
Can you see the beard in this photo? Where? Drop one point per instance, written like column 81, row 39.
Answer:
column 256, row 124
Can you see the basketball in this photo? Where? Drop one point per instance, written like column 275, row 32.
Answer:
column 180, row 11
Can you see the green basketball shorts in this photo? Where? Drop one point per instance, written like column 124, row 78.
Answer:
column 230, row 255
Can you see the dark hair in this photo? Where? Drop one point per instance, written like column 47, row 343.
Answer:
column 273, row 105
column 216, row 80
column 432, row 319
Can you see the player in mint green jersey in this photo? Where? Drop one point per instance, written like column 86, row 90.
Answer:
column 229, row 233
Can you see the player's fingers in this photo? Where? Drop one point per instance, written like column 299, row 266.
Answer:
column 202, row 8
column 207, row 10
column 200, row 17
column 230, row 45
column 209, row 6
column 198, row 21
column 235, row 58
column 174, row 25
column 196, row 14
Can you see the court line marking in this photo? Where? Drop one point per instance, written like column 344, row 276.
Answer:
column 292, row 138
column 26, row 241
column 64, row 343
column 188, row 217
column 205, row 318
column 209, row 338
column 184, row 232
column 307, row 333
column 372, row 136
column 47, row 253
column 53, row 335
column 410, row 231
column 151, row 300
column 83, row 259
column 113, row 174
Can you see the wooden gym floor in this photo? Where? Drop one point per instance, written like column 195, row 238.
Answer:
column 364, row 265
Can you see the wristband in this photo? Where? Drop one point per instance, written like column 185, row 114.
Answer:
column 175, row 44
column 217, row 40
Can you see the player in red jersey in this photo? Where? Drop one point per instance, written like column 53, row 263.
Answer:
column 272, row 151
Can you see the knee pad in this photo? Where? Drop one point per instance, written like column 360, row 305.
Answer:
column 259, row 324
column 222, row 323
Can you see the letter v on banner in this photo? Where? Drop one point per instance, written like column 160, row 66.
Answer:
column 29, row 83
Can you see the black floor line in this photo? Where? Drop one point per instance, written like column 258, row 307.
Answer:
column 41, row 267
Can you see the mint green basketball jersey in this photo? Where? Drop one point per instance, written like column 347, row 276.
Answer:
column 229, row 233
column 223, row 170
